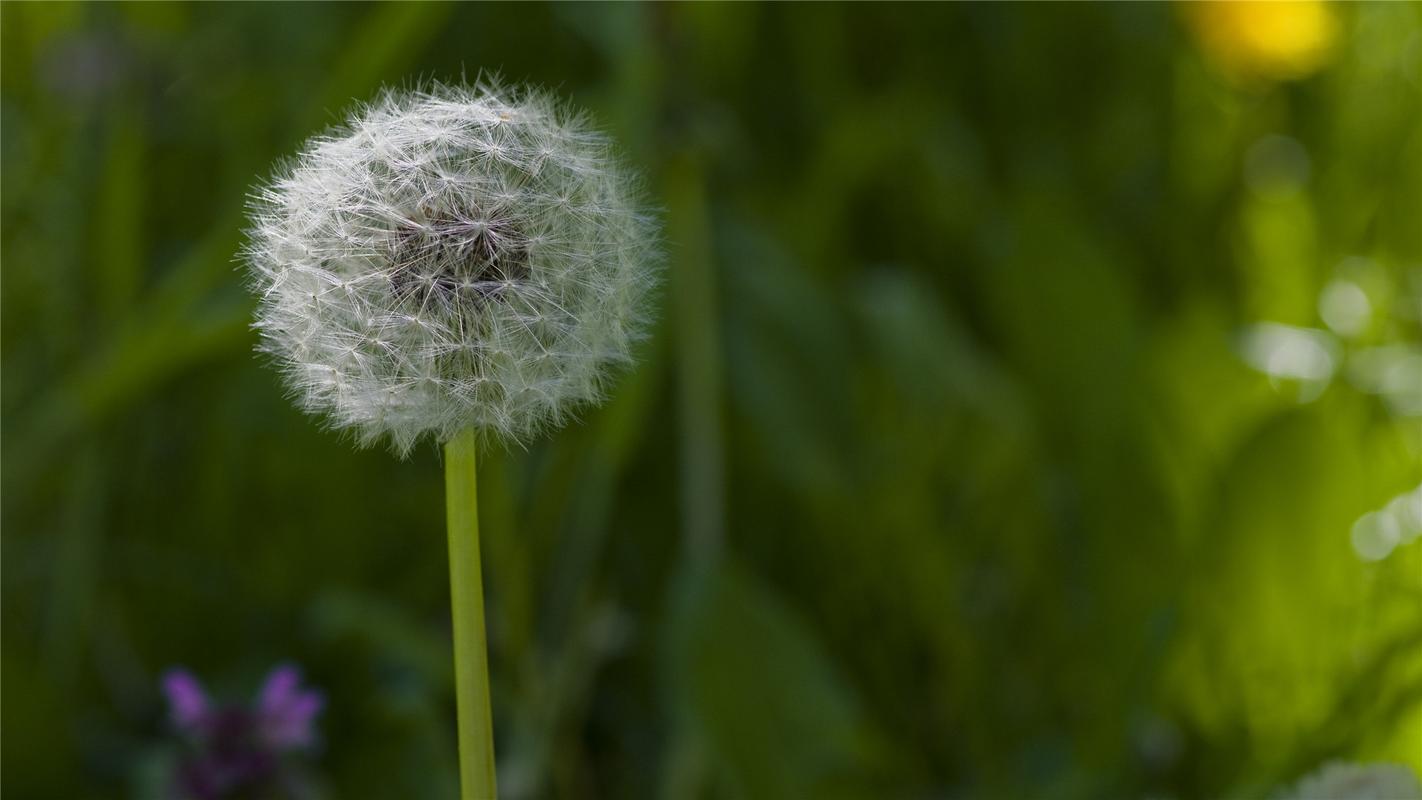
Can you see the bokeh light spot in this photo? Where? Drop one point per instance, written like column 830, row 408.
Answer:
column 1289, row 353
column 1344, row 307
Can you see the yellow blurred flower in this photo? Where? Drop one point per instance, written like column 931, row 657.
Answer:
column 1258, row 39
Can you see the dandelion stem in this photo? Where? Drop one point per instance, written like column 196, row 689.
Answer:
column 471, row 659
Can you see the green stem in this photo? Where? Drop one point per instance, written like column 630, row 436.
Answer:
column 471, row 657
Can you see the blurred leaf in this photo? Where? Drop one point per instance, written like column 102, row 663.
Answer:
column 694, row 288
column 385, row 629
column 391, row 36
column 761, row 691
column 118, row 246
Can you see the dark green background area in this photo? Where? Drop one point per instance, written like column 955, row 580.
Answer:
column 942, row 475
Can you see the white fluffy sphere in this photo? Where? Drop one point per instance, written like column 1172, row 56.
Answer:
column 451, row 258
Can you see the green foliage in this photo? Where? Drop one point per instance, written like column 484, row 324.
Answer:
column 943, row 474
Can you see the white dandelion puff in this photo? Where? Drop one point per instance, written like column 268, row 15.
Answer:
column 451, row 258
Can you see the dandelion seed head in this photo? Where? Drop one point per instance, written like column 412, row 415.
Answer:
column 451, row 257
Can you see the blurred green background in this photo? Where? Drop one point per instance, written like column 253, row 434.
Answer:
column 1033, row 411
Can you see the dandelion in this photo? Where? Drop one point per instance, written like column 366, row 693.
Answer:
column 451, row 259
column 456, row 264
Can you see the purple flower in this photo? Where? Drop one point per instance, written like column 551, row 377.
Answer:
column 285, row 712
column 235, row 750
column 186, row 699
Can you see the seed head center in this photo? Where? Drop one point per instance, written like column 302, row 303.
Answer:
column 469, row 256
